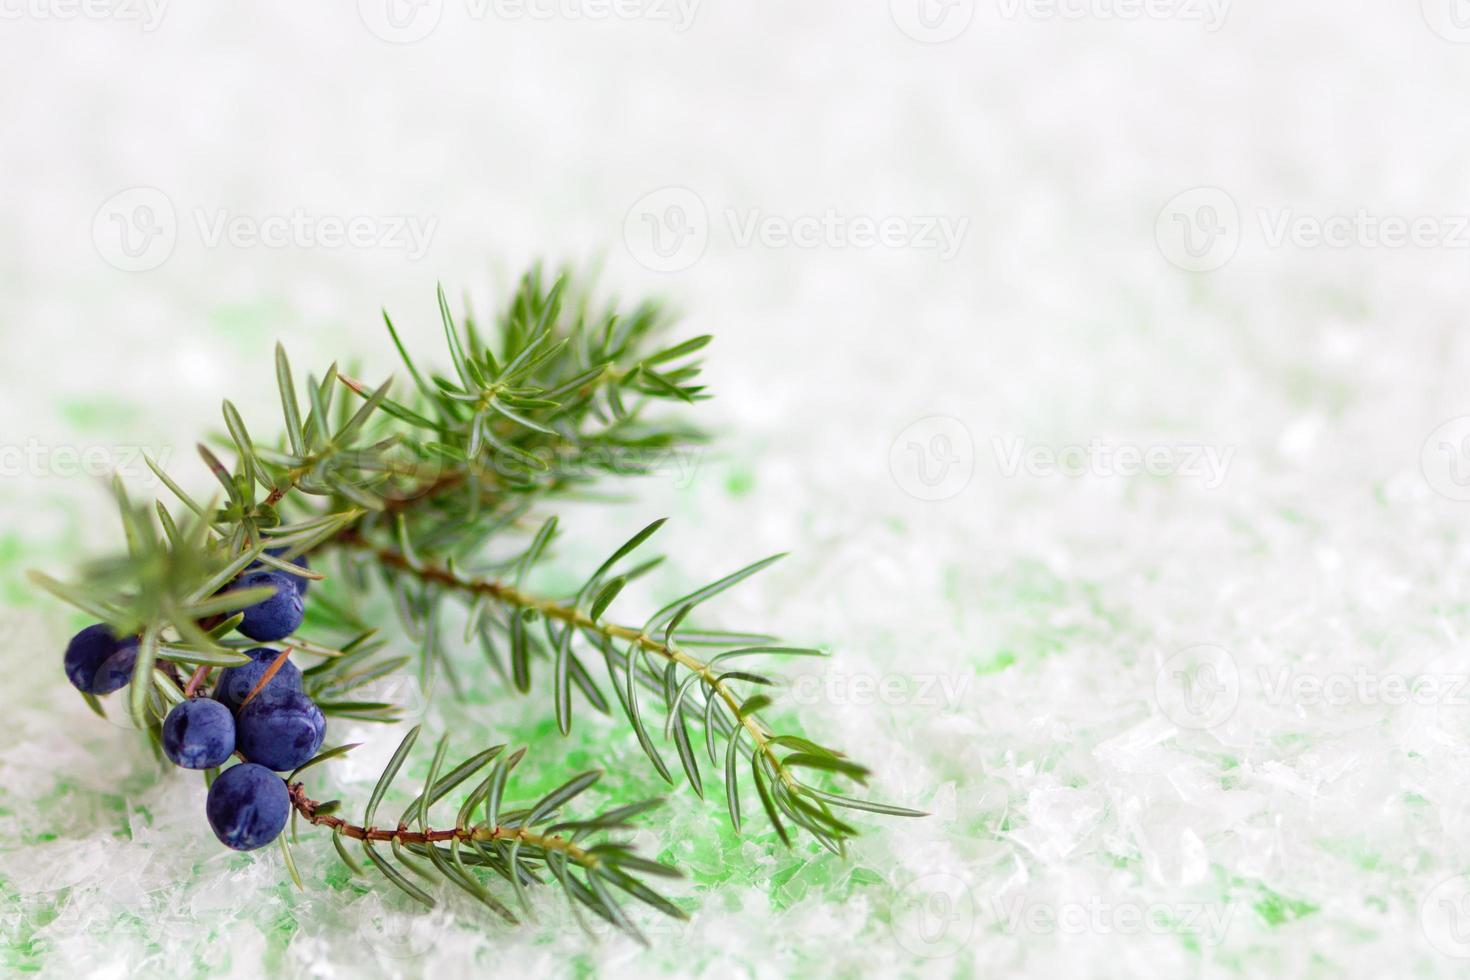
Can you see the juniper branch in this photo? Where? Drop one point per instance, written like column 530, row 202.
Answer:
column 418, row 481
column 512, row 843
column 573, row 616
column 311, row 809
column 779, row 788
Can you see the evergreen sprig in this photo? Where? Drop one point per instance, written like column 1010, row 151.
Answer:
column 420, row 490
column 526, row 846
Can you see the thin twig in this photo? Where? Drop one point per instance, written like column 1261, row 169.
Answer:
column 512, row 596
column 307, row 807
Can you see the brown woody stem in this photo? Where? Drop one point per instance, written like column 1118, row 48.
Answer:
column 307, row 807
column 512, row 596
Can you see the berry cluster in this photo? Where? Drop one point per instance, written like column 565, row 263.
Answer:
column 258, row 711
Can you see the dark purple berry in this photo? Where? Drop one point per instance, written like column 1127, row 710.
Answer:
column 300, row 581
column 199, row 734
column 282, row 732
column 276, row 617
column 86, row 652
column 236, row 683
column 117, row 669
column 247, row 806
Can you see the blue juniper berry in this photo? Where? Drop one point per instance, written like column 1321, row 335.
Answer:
column 281, row 732
column 247, row 806
column 236, row 683
column 301, row 582
column 92, row 649
column 276, row 617
column 199, row 734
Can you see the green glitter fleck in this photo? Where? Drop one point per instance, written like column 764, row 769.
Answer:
column 1276, row 909
column 740, row 482
column 997, row 663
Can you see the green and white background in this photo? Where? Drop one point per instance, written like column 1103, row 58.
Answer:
column 1104, row 364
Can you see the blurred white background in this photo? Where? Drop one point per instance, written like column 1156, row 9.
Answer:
column 1059, row 339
